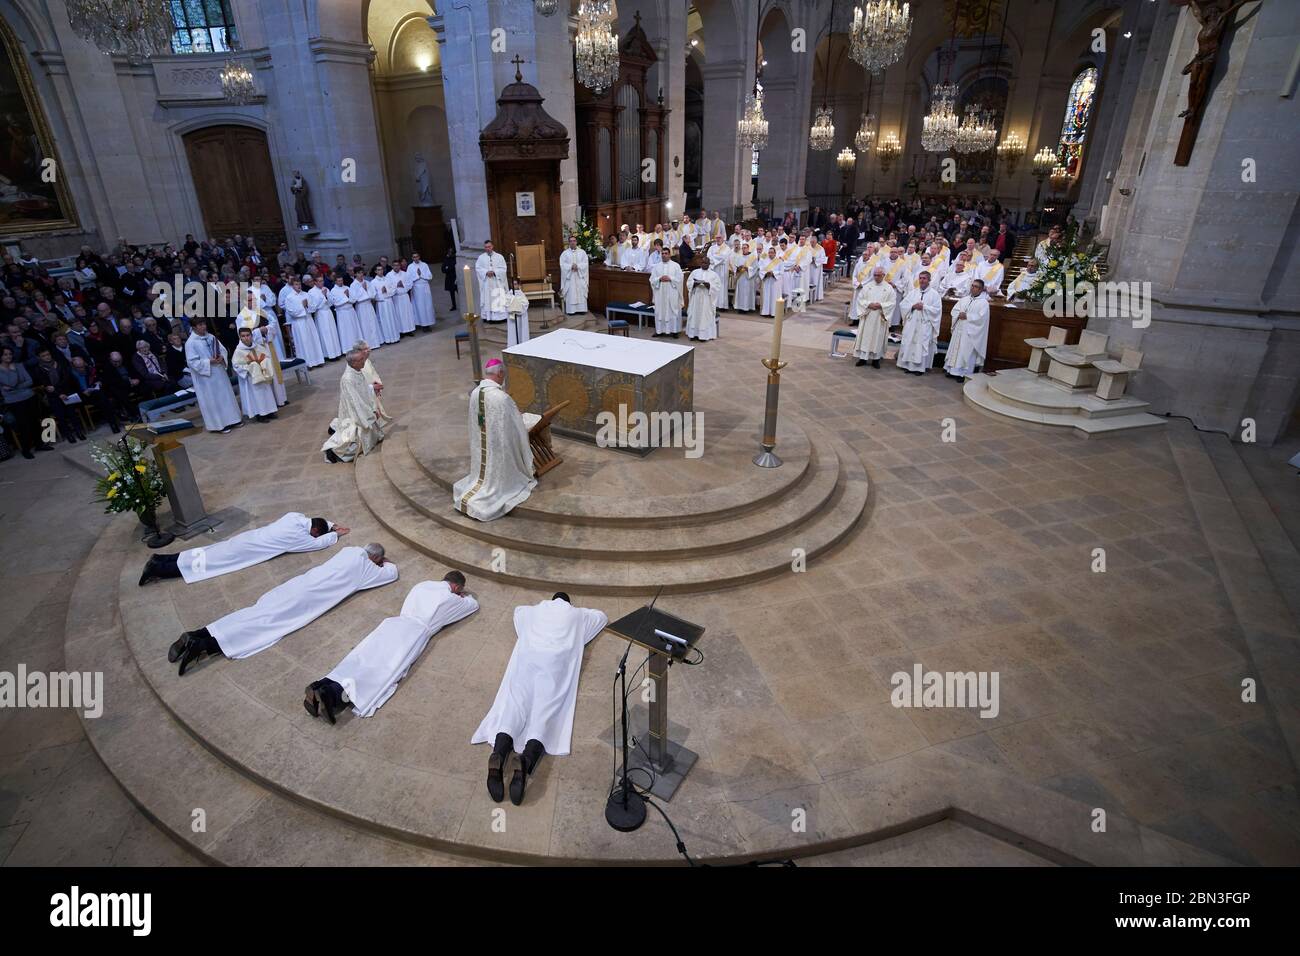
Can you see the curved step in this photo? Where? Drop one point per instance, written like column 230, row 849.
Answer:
column 796, row 506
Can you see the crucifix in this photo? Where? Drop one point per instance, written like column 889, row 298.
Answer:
column 1214, row 17
column 518, row 61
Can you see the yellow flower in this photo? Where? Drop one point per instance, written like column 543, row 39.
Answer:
column 112, row 492
column 141, row 469
column 1053, row 263
column 113, row 477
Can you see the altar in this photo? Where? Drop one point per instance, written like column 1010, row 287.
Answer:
column 596, row 373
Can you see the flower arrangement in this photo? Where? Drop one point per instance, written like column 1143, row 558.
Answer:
column 1071, row 268
column 131, row 481
column 589, row 238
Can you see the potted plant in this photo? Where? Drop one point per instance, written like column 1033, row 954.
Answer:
column 589, row 238
column 131, row 482
column 1070, row 267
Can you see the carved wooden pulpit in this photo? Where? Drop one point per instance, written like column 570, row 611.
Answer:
column 539, row 439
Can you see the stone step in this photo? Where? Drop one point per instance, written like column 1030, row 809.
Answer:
column 977, row 394
column 798, row 505
column 1024, row 389
column 620, row 576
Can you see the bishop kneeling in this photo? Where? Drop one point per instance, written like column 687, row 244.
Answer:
column 500, row 458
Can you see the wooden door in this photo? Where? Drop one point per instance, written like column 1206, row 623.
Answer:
column 235, row 182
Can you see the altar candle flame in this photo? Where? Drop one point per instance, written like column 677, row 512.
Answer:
column 776, row 330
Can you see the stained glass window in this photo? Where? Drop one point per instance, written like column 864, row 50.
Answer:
column 1078, row 111
column 202, row 26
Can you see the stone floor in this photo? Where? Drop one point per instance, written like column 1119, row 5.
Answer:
column 1120, row 690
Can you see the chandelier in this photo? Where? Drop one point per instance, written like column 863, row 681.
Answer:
column 822, row 137
column 237, row 83
column 1044, row 162
column 866, row 133
column 939, row 126
column 846, row 160
column 1060, row 177
column 596, row 46
column 138, row 29
column 888, row 150
column 879, row 33
column 546, row 8
column 975, row 135
column 751, row 131
column 1010, row 150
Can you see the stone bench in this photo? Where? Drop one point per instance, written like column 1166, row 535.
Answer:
column 1038, row 360
column 1071, row 366
column 1115, row 374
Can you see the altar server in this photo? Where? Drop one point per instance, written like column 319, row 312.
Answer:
column 701, row 311
column 874, row 303
column 720, row 262
column 517, row 309
column 345, row 314
column 745, row 266
column 922, row 311
column 253, row 368
column 500, row 457
column 539, row 691
column 418, row 276
column 208, row 362
column 267, row 301
column 402, row 300
column 291, row 533
column 490, row 267
column 363, row 302
column 358, row 429
column 666, row 284
column 371, row 671
column 769, row 275
column 969, row 339
column 318, row 304
column 306, row 340
column 575, row 270
column 286, row 607
column 385, row 310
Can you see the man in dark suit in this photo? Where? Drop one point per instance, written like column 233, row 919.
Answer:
column 120, row 385
column 53, row 380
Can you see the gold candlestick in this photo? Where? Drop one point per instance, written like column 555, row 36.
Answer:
column 471, row 320
column 767, row 457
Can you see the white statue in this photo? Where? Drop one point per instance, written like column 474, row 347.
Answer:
column 423, row 194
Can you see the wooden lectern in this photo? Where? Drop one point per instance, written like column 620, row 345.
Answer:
column 539, row 439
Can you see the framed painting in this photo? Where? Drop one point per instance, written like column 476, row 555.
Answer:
column 33, row 192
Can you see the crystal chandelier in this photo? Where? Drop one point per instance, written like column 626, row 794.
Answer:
column 1010, row 151
column 866, row 133
column 939, row 126
column 546, row 8
column 1060, row 178
column 237, row 83
column 596, row 46
column 888, row 150
column 879, row 33
column 974, row 135
column 846, row 160
column 751, row 131
column 138, row 29
column 1044, row 162
column 822, row 137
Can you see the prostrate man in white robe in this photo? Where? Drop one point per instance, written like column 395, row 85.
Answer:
column 517, row 309
column 720, row 262
column 1022, row 283
column 968, row 341
column 922, row 311
column 745, row 266
column 208, row 362
column 293, row 533
column 286, row 607
column 539, row 691
column 318, row 303
column 357, row 429
column 500, row 458
column 371, row 671
column 418, row 276
column 306, row 340
column 252, row 364
column 701, row 313
column 575, row 271
column 490, row 267
column 875, row 303
column 666, row 285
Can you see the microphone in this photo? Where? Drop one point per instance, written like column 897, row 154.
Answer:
column 671, row 637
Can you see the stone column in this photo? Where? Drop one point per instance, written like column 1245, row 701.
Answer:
column 725, row 172
column 670, row 74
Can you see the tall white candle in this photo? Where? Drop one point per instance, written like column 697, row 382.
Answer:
column 776, row 330
column 469, row 291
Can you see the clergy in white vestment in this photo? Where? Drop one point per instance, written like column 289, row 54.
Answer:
column 362, row 348
column 493, row 291
column 875, row 303
column 701, row 311
column 745, row 266
column 287, row 607
column 306, row 340
column 262, row 339
column 990, row 272
column 957, row 280
column 318, row 303
column 291, row 533
column 720, row 262
column 517, row 310
column 402, row 299
column 633, row 256
column 898, row 275
column 1043, row 252
column 819, row 271
column 500, row 458
column 539, row 691
column 256, row 374
column 385, row 309
column 371, row 671
column 1021, row 284
column 612, row 252
column 418, row 276
column 208, row 363
column 968, row 341
column 922, row 310
column 575, row 270
column 345, row 314
column 358, row 429
column 363, row 301
column 769, row 276
column 267, row 301
column 666, row 285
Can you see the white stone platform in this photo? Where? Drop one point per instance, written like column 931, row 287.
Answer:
column 1020, row 394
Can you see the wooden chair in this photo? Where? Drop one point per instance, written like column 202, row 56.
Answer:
column 539, row 439
column 530, row 270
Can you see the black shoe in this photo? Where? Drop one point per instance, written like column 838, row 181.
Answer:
column 311, row 700
column 332, row 458
column 27, row 453
column 875, row 363
column 495, row 784
column 328, row 703
column 518, row 782
column 859, row 363
column 147, row 576
column 178, row 647
column 193, row 651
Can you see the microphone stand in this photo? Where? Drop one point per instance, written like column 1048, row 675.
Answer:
column 625, row 810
